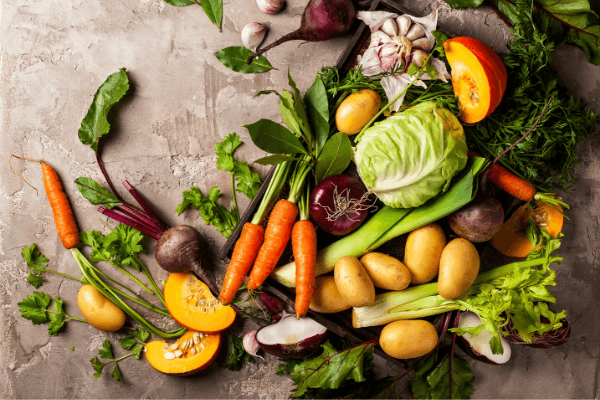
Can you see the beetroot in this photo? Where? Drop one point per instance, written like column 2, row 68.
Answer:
column 321, row 20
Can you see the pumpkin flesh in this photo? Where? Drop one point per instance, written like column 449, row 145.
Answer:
column 478, row 77
column 193, row 306
column 194, row 357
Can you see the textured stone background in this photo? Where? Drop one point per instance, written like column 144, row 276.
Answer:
column 54, row 55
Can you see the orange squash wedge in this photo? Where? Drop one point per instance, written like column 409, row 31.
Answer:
column 193, row 306
column 191, row 353
column 511, row 239
column 478, row 77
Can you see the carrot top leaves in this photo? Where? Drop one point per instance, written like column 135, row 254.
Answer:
column 95, row 124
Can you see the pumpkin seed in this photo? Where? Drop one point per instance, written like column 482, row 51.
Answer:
column 178, row 353
column 174, row 346
column 169, row 355
column 193, row 351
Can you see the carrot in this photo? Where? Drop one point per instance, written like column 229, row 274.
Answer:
column 511, row 183
column 245, row 251
column 66, row 227
column 304, row 246
column 277, row 235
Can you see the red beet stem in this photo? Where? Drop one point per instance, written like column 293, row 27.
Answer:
column 123, row 218
column 147, row 207
column 296, row 35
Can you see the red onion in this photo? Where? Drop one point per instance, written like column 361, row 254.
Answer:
column 339, row 204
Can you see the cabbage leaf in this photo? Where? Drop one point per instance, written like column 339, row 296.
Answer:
column 412, row 156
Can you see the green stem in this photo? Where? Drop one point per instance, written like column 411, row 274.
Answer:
column 277, row 182
column 150, row 279
column 61, row 274
column 75, row 319
column 129, row 275
column 234, row 208
column 298, row 180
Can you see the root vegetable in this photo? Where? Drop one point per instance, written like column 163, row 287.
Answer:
column 408, row 339
column 327, row 299
column 479, row 220
column 424, row 248
column 385, row 271
column 353, row 282
column 321, row 20
column 459, row 266
column 100, row 312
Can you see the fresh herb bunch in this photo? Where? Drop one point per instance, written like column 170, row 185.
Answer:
column 134, row 342
column 548, row 155
column 36, row 308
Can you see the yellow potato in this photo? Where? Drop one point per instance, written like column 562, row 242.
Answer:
column 100, row 312
column 353, row 282
column 327, row 298
column 406, row 339
column 423, row 251
column 357, row 110
column 459, row 266
column 385, row 271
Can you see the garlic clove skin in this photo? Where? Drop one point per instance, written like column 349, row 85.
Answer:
column 390, row 28
column 403, row 23
column 251, row 344
column 418, row 57
column 415, row 32
column 253, row 34
column 270, row 6
column 423, row 44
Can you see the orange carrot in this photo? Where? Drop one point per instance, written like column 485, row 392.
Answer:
column 66, row 227
column 304, row 246
column 511, row 183
column 245, row 251
column 277, row 235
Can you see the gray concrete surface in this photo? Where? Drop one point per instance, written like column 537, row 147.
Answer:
column 53, row 56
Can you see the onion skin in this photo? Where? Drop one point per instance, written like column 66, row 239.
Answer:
column 323, row 205
column 295, row 350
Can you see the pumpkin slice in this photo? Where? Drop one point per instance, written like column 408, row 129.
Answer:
column 478, row 77
column 191, row 353
column 193, row 306
column 511, row 240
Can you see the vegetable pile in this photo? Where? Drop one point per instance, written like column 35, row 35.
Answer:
column 358, row 162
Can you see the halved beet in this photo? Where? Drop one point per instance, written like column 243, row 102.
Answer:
column 478, row 347
column 292, row 337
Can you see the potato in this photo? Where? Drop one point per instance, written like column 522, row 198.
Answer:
column 459, row 266
column 408, row 338
column 385, row 271
column 423, row 251
column 353, row 282
column 356, row 111
column 100, row 312
column 327, row 298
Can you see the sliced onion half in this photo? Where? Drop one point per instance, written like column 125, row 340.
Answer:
column 292, row 337
column 478, row 346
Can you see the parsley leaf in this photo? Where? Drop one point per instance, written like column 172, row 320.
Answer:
column 35, row 308
column 248, row 182
column 106, row 350
column 134, row 342
column 36, row 262
column 57, row 318
column 211, row 212
column 238, row 355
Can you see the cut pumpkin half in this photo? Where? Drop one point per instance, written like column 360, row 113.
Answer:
column 191, row 353
column 193, row 306
column 478, row 77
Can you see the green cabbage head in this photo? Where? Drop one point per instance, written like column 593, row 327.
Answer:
column 411, row 156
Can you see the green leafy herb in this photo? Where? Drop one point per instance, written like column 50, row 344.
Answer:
column 548, row 155
column 213, row 10
column 238, row 355
column 335, row 157
column 211, row 212
column 236, row 59
column 275, row 159
column 36, row 262
column 134, row 342
column 443, row 375
column 35, row 308
column 317, row 110
column 95, row 124
column 96, row 194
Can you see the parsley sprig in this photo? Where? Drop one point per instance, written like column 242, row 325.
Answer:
column 243, row 180
column 37, row 264
column 36, row 308
column 134, row 342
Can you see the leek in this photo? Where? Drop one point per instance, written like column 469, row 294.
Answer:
column 389, row 223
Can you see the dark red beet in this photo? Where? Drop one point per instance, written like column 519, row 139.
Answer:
column 479, row 220
column 339, row 204
column 321, row 20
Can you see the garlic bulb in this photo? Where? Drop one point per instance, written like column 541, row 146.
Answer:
column 423, row 44
column 252, row 35
column 418, row 57
column 270, row 6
